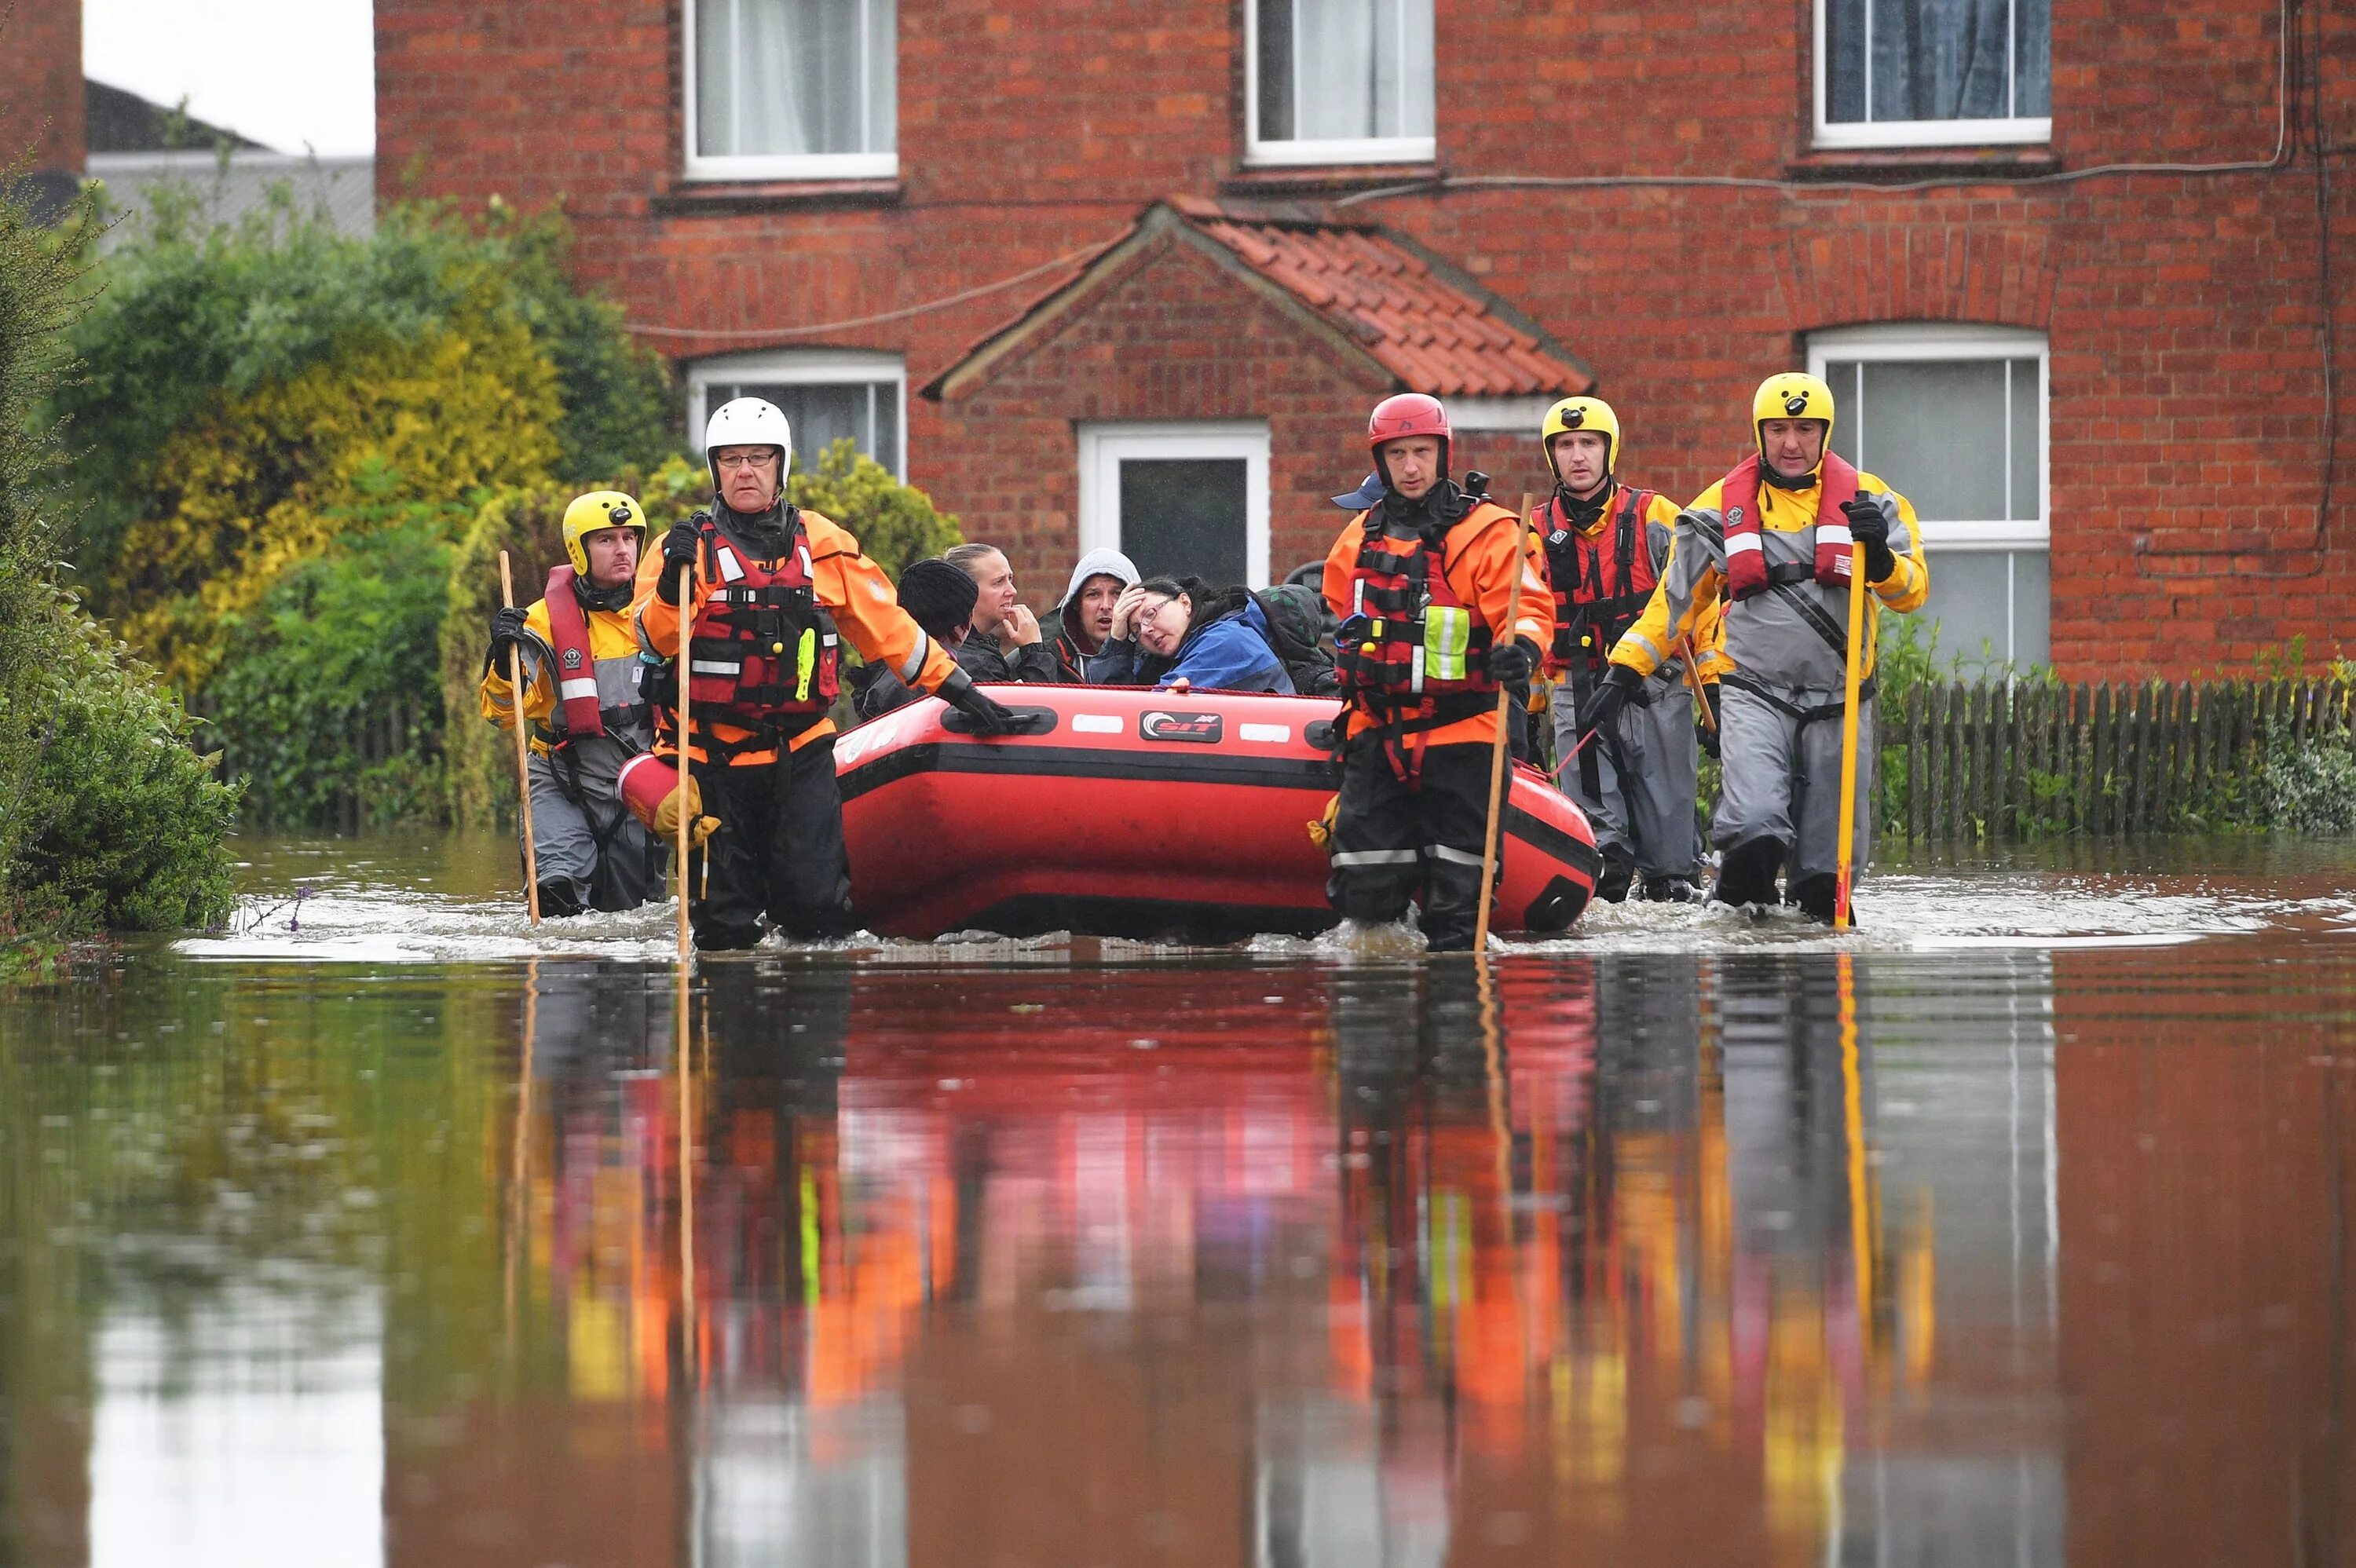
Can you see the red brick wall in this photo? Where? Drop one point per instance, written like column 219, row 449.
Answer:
column 41, row 109
column 2182, row 310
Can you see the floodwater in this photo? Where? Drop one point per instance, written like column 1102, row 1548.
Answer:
column 2013, row 1229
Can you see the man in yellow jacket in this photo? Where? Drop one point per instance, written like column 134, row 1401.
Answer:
column 588, row 716
column 1604, row 542
column 772, row 589
column 1772, row 541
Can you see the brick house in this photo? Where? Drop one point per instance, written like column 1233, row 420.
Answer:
column 1088, row 273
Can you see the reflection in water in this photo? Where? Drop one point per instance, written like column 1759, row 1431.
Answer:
column 242, row 1430
column 1753, row 1258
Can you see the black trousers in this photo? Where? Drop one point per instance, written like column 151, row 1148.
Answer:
column 1393, row 845
column 778, row 851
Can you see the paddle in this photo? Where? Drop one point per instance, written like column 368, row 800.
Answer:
column 1847, row 852
column 685, row 770
column 1497, row 754
column 523, row 747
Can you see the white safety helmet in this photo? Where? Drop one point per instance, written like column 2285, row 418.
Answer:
column 748, row 421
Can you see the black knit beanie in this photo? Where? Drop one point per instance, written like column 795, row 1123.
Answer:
column 939, row 596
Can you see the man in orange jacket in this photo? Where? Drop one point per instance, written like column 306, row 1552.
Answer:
column 771, row 589
column 1422, row 581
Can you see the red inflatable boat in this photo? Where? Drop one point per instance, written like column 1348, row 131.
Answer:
column 1123, row 812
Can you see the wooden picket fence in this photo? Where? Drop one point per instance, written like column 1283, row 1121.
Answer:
column 1993, row 760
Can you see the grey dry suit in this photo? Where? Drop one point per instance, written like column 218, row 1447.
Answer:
column 590, row 852
column 1636, row 781
column 1780, row 706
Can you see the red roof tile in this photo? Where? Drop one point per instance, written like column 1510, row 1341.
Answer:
column 1438, row 335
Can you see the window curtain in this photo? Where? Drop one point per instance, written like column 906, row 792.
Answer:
column 1938, row 59
column 1357, row 69
column 795, row 78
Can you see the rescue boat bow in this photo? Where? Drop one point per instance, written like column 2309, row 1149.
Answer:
column 1124, row 812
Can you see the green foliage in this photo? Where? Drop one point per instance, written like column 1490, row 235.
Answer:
column 2306, row 786
column 119, row 823
column 252, row 383
column 107, row 814
column 328, row 705
column 619, row 412
column 896, row 524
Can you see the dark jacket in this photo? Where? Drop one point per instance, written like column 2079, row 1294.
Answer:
column 981, row 656
column 1230, row 652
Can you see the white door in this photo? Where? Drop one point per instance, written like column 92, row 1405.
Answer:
column 1178, row 499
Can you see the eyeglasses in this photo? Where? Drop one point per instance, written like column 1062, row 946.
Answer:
column 756, row 459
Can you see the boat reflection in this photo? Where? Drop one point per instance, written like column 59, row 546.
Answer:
column 1266, row 1266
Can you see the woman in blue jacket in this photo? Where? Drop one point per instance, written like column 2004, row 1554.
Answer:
column 1181, row 636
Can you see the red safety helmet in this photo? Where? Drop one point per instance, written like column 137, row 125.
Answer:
column 1405, row 414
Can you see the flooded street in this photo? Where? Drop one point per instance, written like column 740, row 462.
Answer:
column 2013, row 1229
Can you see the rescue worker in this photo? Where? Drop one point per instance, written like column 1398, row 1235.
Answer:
column 1605, row 546
column 771, row 589
column 1773, row 541
column 589, row 851
column 1425, row 583
column 1083, row 615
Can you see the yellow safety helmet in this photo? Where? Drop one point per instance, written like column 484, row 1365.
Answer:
column 1581, row 413
column 600, row 509
column 1791, row 395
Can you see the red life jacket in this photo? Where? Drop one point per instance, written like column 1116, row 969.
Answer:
column 580, row 713
column 1412, row 654
column 761, row 650
column 576, row 669
column 1746, row 551
column 1597, row 597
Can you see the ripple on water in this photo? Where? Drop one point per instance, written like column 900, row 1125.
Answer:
column 420, row 918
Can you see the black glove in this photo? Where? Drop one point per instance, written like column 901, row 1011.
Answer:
column 680, row 547
column 507, row 632
column 1707, row 735
column 1510, row 664
column 1620, row 686
column 989, row 715
column 1870, row 527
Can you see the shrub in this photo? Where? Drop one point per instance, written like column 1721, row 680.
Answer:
column 118, row 823
column 107, row 816
column 2306, row 786
column 254, row 385
column 328, row 705
column 896, row 524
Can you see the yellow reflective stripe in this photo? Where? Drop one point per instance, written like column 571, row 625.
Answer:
column 1447, row 635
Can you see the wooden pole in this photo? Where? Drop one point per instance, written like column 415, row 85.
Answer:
column 685, row 773
column 523, row 748
column 1491, row 843
column 1843, row 867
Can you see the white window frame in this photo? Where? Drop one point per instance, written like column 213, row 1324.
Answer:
column 1104, row 447
column 770, row 166
column 1297, row 154
column 1858, row 133
column 1947, row 343
column 804, row 368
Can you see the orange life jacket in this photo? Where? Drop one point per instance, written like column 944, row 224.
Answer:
column 762, row 652
column 1412, row 654
column 1598, row 596
column 1747, row 572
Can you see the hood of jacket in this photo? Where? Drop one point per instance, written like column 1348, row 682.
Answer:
column 1099, row 563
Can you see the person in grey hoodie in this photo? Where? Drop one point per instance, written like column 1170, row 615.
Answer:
column 1004, row 643
column 1085, row 611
